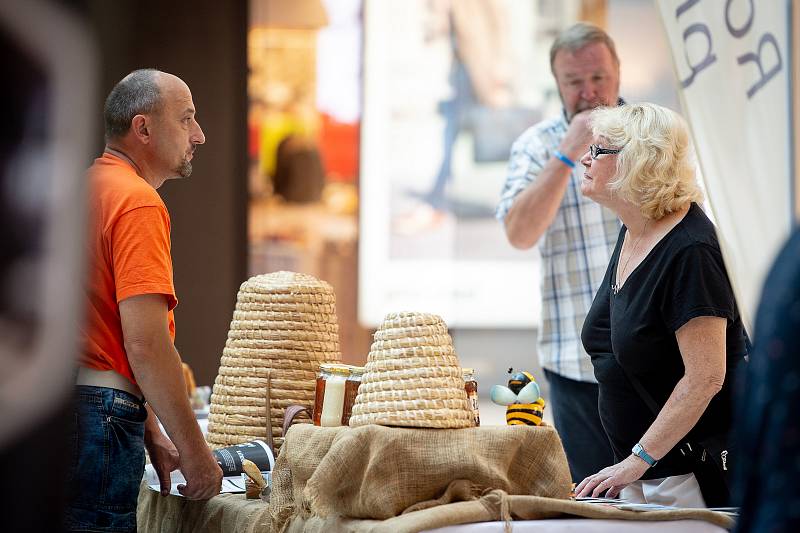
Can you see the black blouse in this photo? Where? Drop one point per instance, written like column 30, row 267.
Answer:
column 683, row 277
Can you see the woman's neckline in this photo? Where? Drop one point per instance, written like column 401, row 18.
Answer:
column 615, row 290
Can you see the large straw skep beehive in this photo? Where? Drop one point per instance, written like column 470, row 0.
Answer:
column 412, row 377
column 283, row 327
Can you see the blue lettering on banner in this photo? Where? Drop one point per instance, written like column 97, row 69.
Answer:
column 699, row 29
column 738, row 32
column 684, row 6
column 767, row 38
column 707, row 60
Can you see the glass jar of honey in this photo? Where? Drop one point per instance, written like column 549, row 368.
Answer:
column 350, row 392
column 471, row 386
column 337, row 386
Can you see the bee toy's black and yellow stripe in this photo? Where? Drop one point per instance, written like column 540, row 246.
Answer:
column 525, row 414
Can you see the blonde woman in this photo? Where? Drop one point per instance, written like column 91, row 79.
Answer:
column 664, row 332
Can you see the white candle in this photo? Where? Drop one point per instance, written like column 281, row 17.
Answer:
column 333, row 402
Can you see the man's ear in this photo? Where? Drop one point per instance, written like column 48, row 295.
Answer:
column 140, row 127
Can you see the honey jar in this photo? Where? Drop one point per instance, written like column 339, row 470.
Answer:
column 350, row 392
column 337, row 386
column 471, row 386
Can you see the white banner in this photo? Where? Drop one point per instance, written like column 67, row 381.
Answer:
column 732, row 63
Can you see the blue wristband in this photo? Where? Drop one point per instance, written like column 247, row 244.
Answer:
column 564, row 159
column 638, row 451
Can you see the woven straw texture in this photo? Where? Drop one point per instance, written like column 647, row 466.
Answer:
column 412, row 377
column 283, row 327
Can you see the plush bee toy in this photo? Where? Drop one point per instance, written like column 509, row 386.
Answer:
column 525, row 406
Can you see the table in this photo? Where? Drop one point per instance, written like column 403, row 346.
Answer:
column 231, row 513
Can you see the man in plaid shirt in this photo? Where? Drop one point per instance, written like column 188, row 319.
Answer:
column 541, row 203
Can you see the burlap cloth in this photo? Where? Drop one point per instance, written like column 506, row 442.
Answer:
column 382, row 479
column 226, row 513
column 496, row 506
column 376, row 478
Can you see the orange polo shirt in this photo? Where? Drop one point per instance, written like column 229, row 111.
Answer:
column 129, row 254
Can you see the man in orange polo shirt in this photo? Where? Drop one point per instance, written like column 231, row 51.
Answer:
column 129, row 356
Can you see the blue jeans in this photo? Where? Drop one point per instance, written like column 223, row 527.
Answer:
column 107, row 460
column 577, row 420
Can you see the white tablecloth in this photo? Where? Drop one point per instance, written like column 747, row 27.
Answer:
column 569, row 525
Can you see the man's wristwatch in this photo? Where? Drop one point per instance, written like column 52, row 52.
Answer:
column 638, row 451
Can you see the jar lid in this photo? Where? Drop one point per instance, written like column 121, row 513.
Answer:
column 465, row 371
column 335, row 368
column 357, row 370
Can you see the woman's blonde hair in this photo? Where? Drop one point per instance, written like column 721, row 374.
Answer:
column 655, row 169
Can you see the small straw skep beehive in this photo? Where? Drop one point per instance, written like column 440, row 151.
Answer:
column 412, row 377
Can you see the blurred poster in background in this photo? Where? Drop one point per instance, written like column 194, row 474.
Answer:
column 304, row 90
column 448, row 86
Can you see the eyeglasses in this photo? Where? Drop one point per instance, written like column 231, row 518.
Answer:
column 595, row 150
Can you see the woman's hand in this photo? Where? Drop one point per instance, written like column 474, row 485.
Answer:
column 612, row 479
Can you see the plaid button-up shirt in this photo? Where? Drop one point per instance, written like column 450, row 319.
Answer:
column 575, row 249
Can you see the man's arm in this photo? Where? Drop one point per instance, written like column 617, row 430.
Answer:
column 157, row 366
column 535, row 208
column 163, row 454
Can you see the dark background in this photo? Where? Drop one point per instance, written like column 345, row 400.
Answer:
column 203, row 42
